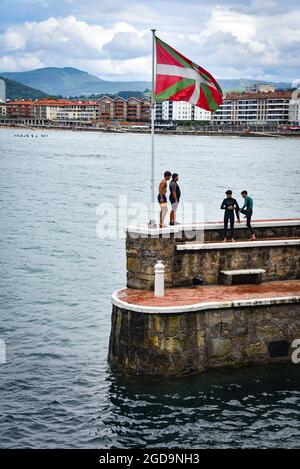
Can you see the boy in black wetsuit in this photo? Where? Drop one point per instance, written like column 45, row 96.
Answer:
column 230, row 206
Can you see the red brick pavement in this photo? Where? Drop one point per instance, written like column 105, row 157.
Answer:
column 211, row 293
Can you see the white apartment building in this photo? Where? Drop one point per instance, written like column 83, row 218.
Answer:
column 180, row 111
column 64, row 110
column 294, row 111
column 201, row 114
column 77, row 111
column 254, row 108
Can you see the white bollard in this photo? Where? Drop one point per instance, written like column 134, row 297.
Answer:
column 159, row 279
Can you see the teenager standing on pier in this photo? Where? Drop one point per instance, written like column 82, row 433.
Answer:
column 230, row 206
column 247, row 210
column 175, row 194
column 162, row 198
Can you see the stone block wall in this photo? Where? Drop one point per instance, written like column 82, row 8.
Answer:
column 280, row 263
column 141, row 256
column 142, row 252
column 188, row 343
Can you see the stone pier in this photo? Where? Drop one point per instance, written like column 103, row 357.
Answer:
column 195, row 328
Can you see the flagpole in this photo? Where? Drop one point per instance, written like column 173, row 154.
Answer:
column 152, row 223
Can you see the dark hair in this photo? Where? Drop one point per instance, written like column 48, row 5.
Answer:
column 174, row 175
column 167, row 173
column 228, row 192
column 244, row 192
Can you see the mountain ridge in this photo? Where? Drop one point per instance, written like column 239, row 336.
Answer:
column 70, row 81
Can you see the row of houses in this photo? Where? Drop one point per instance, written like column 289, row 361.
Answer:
column 259, row 107
column 105, row 108
column 270, row 107
column 262, row 106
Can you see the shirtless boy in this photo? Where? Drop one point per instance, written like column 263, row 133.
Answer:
column 162, row 198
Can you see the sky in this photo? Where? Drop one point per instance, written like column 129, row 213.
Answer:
column 111, row 39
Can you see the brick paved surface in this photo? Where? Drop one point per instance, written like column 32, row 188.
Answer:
column 210, row 293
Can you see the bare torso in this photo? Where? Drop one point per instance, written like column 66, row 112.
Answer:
column 163, row 187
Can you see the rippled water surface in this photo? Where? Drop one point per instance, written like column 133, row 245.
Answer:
column 57, row 277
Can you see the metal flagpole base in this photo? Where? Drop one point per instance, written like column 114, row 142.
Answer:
column 152, row 224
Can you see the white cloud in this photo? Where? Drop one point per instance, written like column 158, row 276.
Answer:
column 134, row 69
column 22, row 62
column 248, row 39
column 67, row 35
column 63, row 36
column 12, row 40
column 241, row 26
column 71, row 42
column 126, row 45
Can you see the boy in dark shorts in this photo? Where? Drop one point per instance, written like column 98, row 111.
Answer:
column 162, row 198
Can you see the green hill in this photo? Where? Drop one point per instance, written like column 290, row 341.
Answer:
column 70, row 81
column 15, row 90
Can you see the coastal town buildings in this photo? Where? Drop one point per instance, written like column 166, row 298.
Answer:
column 262, row 106
column 294, row 111
column 180, row 111
column 106, row 107
column 20, row 108
column 201, row 114
column 63, row 110
column 262, row 88
column 250, row 107
column 132, row 109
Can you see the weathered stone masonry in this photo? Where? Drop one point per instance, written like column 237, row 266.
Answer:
column 143, row 251
column 191, row 338
column 189, row 343
column 280, row 263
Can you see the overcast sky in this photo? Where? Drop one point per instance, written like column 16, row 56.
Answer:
column 257, row 39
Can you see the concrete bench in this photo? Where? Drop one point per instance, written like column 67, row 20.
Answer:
column 233, row 277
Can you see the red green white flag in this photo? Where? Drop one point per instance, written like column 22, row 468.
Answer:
column 179, row 79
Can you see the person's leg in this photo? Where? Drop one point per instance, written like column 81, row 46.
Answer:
column 163, row 213
column 172, row 217
column 244, row 211
column 225, row 226
column 232, row 226
column 250, row 229
column 249, row 223
column 173, row 213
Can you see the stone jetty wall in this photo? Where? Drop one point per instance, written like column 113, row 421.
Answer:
column 280, row 263
column 190, row 342
column 144, row 250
